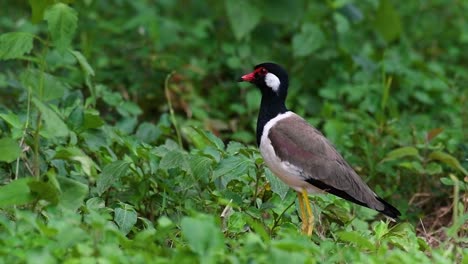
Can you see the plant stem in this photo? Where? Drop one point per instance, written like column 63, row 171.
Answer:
column 171, row 109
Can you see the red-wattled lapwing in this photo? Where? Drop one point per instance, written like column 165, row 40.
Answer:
column 299, row 154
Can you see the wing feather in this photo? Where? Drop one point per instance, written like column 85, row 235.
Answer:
column 321, row 165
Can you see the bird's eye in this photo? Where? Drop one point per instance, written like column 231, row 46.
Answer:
column 263, row 71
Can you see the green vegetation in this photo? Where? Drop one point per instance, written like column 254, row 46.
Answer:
column 125, row 138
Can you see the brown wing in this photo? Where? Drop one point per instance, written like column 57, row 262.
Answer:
column 322, row 166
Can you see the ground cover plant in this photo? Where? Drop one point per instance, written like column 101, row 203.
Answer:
column 125, row 138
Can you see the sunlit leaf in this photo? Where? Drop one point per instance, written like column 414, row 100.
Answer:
column 54, row 124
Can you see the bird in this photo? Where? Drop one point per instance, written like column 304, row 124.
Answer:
column 300, row 155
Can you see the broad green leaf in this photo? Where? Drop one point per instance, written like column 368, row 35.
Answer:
column 387, row 21
column 15, row 44
column 62, row 22
column 243, row 16
column 201, row 167
column 9, row 149
column 203, row 236
column 234, row 147
column 201, row 138
column 16, row 193
column 232, row 168
column 45, row 191
column 174, row 159
column 12, row 119
column 45, row 86
column 448, row 160
column 148, row 132
column 38, row 7
column 75, row 154
column 356, row 238
column 72, row 193
column 54, row 124
column 400, row 153
column 125, row 219
column 277, row 186
column 92, row 119
column 110, row 174
column 310, row 39
column 87, row 69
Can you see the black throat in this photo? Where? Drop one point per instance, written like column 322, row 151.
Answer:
column 271, row 106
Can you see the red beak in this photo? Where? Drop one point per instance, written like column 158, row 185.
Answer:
column 248, row 77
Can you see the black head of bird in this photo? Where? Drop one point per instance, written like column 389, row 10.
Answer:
column 299, row 154
column 270, row 78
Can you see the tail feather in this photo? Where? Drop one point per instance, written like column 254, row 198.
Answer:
column 389, row 210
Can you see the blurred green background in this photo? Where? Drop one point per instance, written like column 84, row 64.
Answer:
column 385, row 80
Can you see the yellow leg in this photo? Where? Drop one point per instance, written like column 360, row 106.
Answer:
column 302, row 212
column 310, row 217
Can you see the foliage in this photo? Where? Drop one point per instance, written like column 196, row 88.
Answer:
column 124, row 137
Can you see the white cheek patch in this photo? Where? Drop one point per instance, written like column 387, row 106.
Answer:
column 272, row 81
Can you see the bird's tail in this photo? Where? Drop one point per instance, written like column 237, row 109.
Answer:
column 389, row 210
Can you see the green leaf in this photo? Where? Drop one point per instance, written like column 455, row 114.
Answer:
column 45, row 191
column 110, row 174
column 202, row 139
column 87, row 69
column 448, row 160
column 76, row 154
column 45, row 86
column 201, row 167
column 356, row 238
column 387, row 21
column 92, row 119
column 38, row 7
column 16, row 193
column 232, row 168
column 277, row 186
column 125, row 218
column 400, row 153
column 15, row 44
column 309, row 40
column 62, row 22
column 9, row 149
column 243, row 16
column 72, row 193
column 12, row 119
column 54, row 124
column 174, row 159
column 203, row 236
